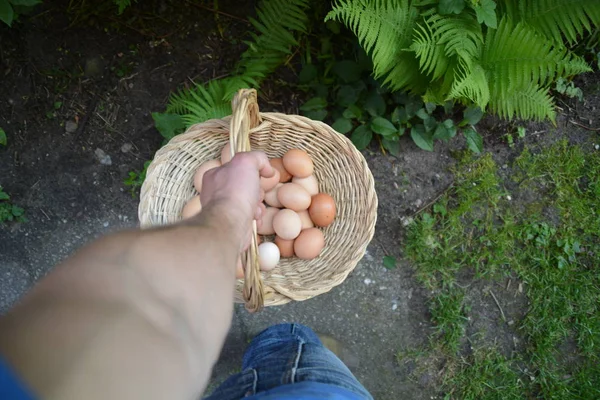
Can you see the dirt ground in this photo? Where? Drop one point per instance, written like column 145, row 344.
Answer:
column 108, row 76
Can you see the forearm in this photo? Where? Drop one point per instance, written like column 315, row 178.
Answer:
column 135, row 308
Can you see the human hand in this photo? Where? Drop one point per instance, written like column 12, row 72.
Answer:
column 236, row 186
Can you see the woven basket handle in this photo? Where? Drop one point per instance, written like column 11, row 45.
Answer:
column 244, row 117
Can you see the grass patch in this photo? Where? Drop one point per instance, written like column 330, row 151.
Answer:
column 554, row 251
column 486, row 374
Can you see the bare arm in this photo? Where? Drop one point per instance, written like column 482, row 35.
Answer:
column 140, row 314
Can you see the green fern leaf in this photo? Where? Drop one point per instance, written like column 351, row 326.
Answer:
column 201, row 103
column 470, row 85
column 440, row 38
column 385, row 30
column 520, row 64
column 530, row 102
column 516, row 55
column 429, row 51
column 557, row 19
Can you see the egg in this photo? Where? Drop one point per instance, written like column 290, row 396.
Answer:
column 226, row 154
column 267, row 184
column 298, row 163
column 309, row 183
column 294, row 197
column 267, row 221
column 309, row 244
column 191, row 208
column 268, row 256
column 287, row 224
column 286, row 247
column 322, row 209
column 305, row 219
column 284, row 175
column 271, row 196
column 239, row 269
column 199, row 175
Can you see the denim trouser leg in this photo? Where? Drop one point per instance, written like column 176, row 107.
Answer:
column 284, row 354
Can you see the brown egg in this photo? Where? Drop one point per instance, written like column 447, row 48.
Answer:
column 207, row 166
column 322, row 209
column 286, row 247
column 267, row 184
column 294, row 197
column 267, row 221
column 309, row 183
column 191, row 208
column 306, row 221
column 298, row 163
column 226, row 154
column 284, row 175
column 271, row 196
column 287, row 224
column 239, row 269
column 309, row 244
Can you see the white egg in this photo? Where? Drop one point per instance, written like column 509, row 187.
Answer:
column 268, row 256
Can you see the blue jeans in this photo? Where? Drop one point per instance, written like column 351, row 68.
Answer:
column 286, row 354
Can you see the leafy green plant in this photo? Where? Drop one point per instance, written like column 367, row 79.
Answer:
column 3, row 140
column 352, row 102
column 10, row 9
column 135, row 179
column 122, row 4
column 8, row 211
column 569, row 89
column 502, row 59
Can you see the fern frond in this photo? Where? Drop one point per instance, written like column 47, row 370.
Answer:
column 470, row 85
column 558, row 19
column 439, row 38
column 520, row 64
column 384, row 29
column 429, row 51
column 530, row 102
column 202, row 102
column 276, row 22
column 516, row 55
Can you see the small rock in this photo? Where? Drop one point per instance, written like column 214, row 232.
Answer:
column 417, row 203
column 406, row 221
column 103, row 157
column 367, row 281
column 394, row 306
column 511, row 322
column 597, row 147
column 504, row 166
column 126, row 148
column 509, row 198
column 71, row 126
column 105, row 224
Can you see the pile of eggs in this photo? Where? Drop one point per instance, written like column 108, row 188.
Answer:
column 295, row 210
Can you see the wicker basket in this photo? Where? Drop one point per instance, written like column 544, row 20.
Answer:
column 340, row 169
